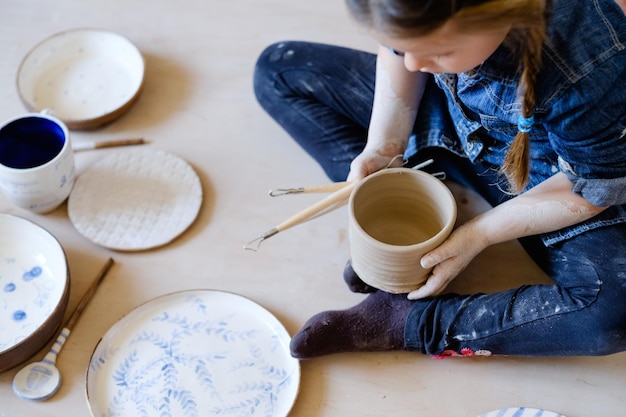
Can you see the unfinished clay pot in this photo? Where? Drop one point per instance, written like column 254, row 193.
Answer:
column 396, row 216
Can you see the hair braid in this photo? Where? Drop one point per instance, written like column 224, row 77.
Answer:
column 528, row 19
column 516, row 164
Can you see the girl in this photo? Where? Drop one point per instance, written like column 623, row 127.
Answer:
column 522, row 100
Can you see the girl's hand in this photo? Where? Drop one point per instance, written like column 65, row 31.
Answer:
column 549, row 206
column 449, row 259
column 372, row 160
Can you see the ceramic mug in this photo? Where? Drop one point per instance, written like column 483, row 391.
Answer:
column 396, row 216
column 36, row 162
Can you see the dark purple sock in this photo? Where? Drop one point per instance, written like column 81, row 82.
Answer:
column 376, row 324
column 355, row 284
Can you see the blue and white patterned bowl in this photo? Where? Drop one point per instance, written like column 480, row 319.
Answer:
column 521, row 412
column 34, row 289
column 194, row 353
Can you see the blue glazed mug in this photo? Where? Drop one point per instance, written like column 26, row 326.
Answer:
column 36, row 162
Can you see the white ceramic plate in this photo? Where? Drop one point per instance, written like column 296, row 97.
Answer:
column 194, row 353
column 34, row 288
column 521, row 412
column 85, row 77
column 135, row 199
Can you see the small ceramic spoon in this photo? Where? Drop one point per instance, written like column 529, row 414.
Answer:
column 41, row 380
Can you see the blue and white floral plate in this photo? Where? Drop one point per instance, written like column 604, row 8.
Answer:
column 194, row 353
column 521, row 412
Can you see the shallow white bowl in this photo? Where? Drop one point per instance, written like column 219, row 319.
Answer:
column 85, row 77
column 34, row 289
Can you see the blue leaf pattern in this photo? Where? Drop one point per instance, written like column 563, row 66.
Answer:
column 180, row 374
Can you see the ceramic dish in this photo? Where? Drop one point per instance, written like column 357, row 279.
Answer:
column 135, row 200
column 34, row 289
column 521, row 412
column 84, row 77
column 194, row 353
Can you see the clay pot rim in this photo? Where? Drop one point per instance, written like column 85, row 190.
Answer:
column 424, row 175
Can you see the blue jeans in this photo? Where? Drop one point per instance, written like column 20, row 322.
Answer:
column 322, row 96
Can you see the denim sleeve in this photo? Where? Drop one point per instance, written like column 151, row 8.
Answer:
column 587, row 129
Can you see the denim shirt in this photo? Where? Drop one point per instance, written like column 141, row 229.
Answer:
column 580, row 115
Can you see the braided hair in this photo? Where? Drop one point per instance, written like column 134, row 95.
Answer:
column 527, row 18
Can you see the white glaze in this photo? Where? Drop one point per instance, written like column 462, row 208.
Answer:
column 81, row 74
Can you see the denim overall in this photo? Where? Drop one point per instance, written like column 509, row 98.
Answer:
column 322, row 96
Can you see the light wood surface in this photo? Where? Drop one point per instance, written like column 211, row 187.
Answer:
column 88, row 295
column 198, row 103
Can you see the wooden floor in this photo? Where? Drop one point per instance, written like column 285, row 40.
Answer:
column 198, row 104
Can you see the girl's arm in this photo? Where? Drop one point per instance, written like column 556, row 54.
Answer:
column 549, row 206
column 396, row 99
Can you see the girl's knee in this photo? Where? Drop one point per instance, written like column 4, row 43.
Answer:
column 273, row 55
column 268, row 65
column 606, row 340
column 606, row 329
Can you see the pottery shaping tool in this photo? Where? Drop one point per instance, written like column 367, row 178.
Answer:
column 85, row 146
column 324, row 188
column 329, row 188
column 337, row 199
column 340, row 194
column 41, row 380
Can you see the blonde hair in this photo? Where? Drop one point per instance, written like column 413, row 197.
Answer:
column 527, row 18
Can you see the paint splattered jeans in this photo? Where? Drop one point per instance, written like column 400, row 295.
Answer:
column 322, row 96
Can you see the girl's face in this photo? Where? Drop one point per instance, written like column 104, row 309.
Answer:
column 446, row 49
